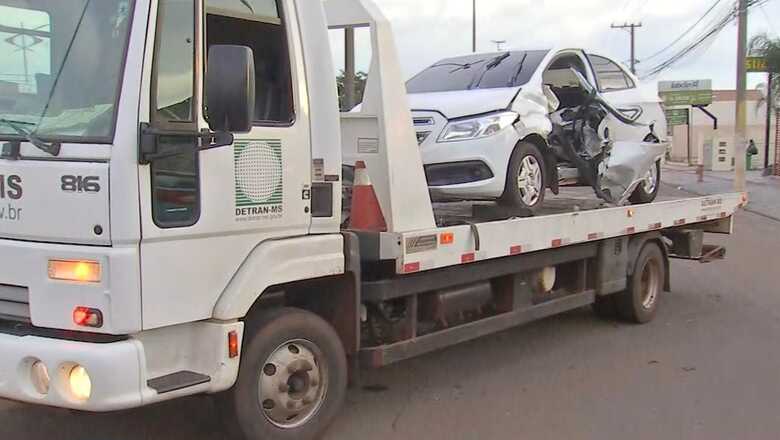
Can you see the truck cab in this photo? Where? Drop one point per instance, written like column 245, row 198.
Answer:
column 171, row 217
column 115, row 180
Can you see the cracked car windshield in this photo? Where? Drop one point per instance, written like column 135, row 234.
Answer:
column 507, row 69
column 62, row 67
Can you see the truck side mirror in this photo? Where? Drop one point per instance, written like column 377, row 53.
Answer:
column 230, row 88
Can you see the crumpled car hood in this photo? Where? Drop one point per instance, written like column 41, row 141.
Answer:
column 458, row 104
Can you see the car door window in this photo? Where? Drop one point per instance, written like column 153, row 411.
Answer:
column 610, row 75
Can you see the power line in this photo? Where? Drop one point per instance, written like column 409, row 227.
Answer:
column 704, row 37
column 687, row 31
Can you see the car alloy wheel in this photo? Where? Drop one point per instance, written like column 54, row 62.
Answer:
column 651, row 180
column 529, row 180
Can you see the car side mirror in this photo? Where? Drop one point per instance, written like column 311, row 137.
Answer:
column 230, row 88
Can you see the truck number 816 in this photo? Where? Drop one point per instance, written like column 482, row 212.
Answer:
column 89, row 184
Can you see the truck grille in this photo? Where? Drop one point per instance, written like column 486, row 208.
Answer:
column 14, row 303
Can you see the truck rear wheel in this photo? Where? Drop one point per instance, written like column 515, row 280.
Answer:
column 292, row 380
column 639, row 303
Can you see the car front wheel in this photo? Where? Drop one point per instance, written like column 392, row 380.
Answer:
column 526, row 178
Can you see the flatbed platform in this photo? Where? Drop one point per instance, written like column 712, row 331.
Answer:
column 575, row 216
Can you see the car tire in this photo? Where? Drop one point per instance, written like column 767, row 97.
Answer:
column 526, row 173
column 647, row 190
column 639, row 302
column 299, row 359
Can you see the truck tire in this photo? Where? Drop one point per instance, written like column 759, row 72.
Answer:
column 647, row 190
column 639, row 303
column 292, row 379
column 526, row 178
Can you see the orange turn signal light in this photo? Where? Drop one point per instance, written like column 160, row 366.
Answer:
column 233, row 344
column 73, row 270
column 447, row 238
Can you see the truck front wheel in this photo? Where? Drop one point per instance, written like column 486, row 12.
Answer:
column 292, row 380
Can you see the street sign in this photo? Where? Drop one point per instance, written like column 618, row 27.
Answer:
column 680, row 93
column 677, row 116
column 756, row 64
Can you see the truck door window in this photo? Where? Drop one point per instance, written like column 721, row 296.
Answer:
column 258, row 25
column 175, row 179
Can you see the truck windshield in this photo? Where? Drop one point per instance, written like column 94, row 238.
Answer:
column 480, row 71
column 62, row 67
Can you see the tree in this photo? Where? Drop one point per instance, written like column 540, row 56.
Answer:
column 764, row 46
column 360, row 87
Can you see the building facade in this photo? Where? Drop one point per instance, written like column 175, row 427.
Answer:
column 724, row 109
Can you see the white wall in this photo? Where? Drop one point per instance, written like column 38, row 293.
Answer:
column 725, row 112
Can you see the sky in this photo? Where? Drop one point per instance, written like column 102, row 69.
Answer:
column 427, row 31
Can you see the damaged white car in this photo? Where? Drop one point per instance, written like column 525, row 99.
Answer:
column 506, row 126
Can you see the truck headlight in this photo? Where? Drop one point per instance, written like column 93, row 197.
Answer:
column 476, row 128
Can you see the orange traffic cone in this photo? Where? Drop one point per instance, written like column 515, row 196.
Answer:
column 366, row 213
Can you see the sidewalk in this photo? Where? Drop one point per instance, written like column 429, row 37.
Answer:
column 764, row 191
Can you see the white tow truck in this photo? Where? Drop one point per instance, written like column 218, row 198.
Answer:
column 171, row 217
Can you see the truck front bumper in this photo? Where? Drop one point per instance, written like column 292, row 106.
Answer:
column 118, row 371
column 114, row 370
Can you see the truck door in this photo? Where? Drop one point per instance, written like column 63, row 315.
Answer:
column 203, row 212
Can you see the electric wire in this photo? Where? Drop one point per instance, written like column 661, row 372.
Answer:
column 705, row 37
column 687, row 31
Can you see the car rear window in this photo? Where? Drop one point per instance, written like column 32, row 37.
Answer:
column 479, row 71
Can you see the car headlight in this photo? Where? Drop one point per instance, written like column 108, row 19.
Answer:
column 476, row 128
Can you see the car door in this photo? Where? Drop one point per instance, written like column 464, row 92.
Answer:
column 204, row 212
column 621, row 90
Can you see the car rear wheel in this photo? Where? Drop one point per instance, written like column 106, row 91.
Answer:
column 647, row 190
column 526, row 178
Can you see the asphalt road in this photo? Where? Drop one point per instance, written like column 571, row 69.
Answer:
column 706, row 368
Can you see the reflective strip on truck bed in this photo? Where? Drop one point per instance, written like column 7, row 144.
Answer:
column 464, row 244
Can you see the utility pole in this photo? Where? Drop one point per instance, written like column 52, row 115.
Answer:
column 740, row 135
column 349, row 69
column 474, row 27
column 498, row 44
column 769, row 105
column 632, row 27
